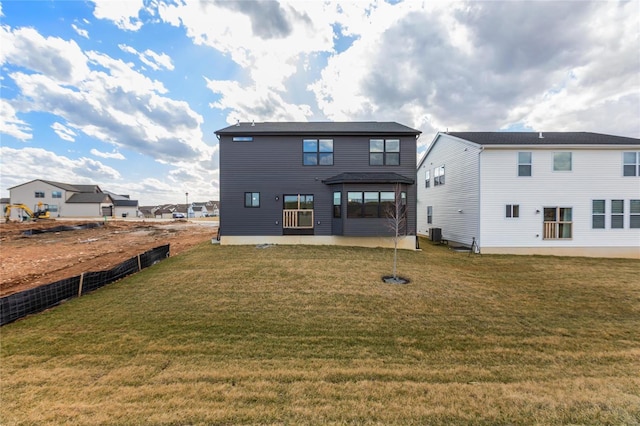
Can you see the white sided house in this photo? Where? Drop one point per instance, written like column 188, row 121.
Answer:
column 66, row 200
column 555, row 193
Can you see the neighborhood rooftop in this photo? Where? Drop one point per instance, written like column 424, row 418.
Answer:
column 319, row 128
column 546, row 138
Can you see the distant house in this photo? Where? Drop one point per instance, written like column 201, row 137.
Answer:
column 316, row 182
column 124, row 206
column 200, row 209
column 560, row 193
column 68, row 200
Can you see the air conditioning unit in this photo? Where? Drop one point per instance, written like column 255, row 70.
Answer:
column 435, row 234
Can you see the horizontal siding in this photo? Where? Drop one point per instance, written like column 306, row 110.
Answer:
column 460, row 191
column 272, row 165
column 596, row 174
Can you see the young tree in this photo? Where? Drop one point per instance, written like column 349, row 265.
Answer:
column 397, row 223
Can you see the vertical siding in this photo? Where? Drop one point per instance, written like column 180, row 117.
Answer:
column 272, row 165
column 460, row 191
column 596, row 174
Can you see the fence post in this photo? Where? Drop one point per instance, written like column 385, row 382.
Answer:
column 80, row 285
column 139, row 264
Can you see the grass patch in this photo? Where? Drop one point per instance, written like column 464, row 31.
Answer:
column 310, row 335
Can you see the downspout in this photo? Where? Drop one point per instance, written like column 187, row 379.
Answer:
column 478, row 239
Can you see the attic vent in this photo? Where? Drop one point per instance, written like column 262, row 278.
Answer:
column 253, row 123
column 540, row 136
column 238, row 123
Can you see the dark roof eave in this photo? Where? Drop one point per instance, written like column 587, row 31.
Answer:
column 368, row 178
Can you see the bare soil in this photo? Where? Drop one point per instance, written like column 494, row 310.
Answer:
column 28, row 261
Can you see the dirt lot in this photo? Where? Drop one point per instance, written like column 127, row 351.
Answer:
column 30, row 260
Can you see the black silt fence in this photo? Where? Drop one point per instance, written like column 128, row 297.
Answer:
column 32, row 301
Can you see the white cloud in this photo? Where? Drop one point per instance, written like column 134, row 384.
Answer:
column 59, row 168
column 270, row 40
column 489, row 65
column 10, row 124
column 80, row 31
column 64, row 132
column 63, row 61
column 124, row 13
column 112, row 102
column 154, row 60
column 252, row 103
column 111, row 155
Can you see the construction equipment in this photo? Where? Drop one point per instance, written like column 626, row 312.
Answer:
column 41, row 212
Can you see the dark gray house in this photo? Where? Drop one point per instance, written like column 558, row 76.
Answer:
column 316, row 182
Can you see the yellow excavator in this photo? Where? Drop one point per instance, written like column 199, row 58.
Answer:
column 41, row 212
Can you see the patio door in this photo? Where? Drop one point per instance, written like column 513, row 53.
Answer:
column 297, row 213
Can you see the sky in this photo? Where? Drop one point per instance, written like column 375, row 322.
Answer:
column 128, row 94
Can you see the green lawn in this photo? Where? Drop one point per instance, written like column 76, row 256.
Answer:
column 311, row 335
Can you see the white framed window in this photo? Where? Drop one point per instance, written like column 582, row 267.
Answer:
column 598, row 212
column 631, row 163
column 558, row 223
column 429, row 215
column 524, row 164
column 512, row 210
column 562, row 162
column 39, row 194
column 427, row 179
column 634, row 214
column 56, row 194
column 438, row 176
column 617, row 214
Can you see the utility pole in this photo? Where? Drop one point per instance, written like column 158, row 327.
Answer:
column 186, row 194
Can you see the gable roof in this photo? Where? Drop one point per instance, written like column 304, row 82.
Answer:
column 65, row 186
column 548, row 138
column 90, row 197
column 380, row 177
column 319, row 128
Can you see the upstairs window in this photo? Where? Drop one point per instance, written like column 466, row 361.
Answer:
column 252, row 199
column 56, row 194
column 243, row 138
column 513, row 210
column 427, row 179
column 597, row 214
column 384, row 152
column 617, row 214
column 317, row 152
column 634, row 214
column 438, row 176
column 524, row 164
column 631, row 164
column 561, row 161
column 39, row 194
